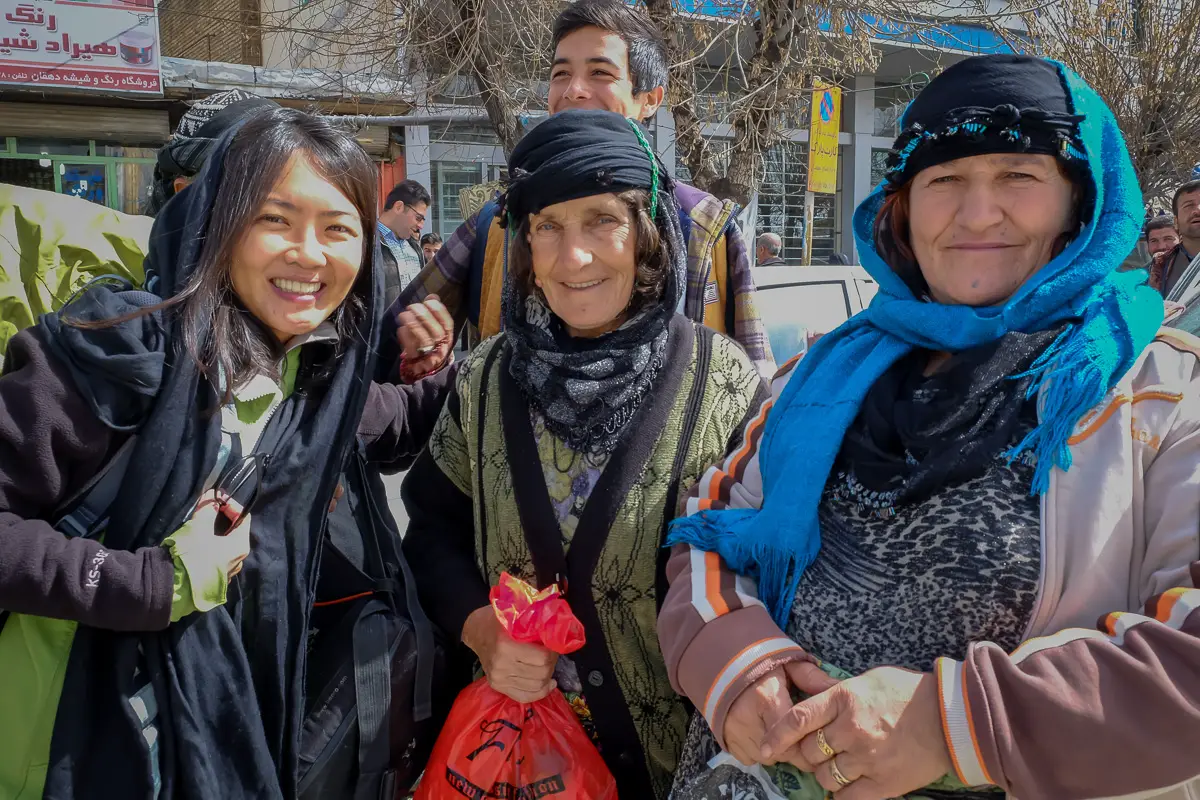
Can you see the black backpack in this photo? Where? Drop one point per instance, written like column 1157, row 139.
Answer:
column 376, row 682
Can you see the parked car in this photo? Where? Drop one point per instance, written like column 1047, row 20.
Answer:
column 800, row 304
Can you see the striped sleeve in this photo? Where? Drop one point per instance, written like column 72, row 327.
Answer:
column 716, row 635
column 1107, row 712
column 1126, row 696
column 448, row 276
column 736, row 482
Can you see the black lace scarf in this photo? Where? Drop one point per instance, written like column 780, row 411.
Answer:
column 916, row 434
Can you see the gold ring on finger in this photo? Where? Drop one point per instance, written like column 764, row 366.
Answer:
column 823, row 745
column 842, row 780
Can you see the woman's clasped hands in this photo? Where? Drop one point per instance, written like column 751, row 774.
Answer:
column 871, row 737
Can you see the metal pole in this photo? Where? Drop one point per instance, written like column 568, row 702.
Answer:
column 421, row 119
column 810, row 210
column 409, row 119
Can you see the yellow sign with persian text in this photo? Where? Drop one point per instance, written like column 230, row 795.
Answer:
column 826, row 122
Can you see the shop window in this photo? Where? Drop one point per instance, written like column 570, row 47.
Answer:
column 781, row 204
column 58, row 147
column 449, row 178
column 124, row 151
column 84, row 180
column 114, row 175
column 27, row 173
column 134, row 184
column 878, row 166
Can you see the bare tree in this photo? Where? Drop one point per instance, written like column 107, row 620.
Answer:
column 772, row 49
column 1143, row 58
column 747, row 64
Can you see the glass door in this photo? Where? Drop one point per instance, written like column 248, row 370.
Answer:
column 449, row 178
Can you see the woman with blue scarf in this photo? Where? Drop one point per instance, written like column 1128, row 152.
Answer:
column 922, row 526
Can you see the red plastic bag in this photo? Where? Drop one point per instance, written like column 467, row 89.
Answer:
column 495, row 747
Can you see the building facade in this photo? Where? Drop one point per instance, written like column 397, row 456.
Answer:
column 101, row 145
column 461, row 150
column 97, row 141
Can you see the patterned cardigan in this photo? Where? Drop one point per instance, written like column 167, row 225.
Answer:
column 479, row 505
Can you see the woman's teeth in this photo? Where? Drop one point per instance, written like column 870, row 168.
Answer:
column 587, row 285
column 295, row 287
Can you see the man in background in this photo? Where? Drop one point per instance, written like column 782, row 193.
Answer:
column 430, row 244
column 400, row 224
column 608, row 56
column 1168, row 267
column 1161, row 235
column 1176, row 272
column 769, row 250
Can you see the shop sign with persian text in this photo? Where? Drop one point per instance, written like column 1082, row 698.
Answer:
column 99, row 45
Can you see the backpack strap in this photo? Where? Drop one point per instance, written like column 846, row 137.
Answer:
column 85, row 514
column 373, row 697
column 372, row 649
column 89, row 507
column 704, row 347
column 383, row 561
column 483, row 224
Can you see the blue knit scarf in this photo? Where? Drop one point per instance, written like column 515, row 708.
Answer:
column 1111, row 317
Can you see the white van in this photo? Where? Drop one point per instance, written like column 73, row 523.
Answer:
column 800, row 304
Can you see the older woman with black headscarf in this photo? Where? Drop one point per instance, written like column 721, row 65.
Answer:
column 561, row 454
column 949, row 490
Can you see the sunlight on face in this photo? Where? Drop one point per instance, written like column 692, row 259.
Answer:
column 981, row 226
column 584, row 261
column 301, row 255
column 591, row 71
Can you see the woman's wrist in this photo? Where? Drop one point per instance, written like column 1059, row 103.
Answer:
column 476, row 630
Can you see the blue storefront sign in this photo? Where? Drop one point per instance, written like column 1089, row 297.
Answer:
column 929, row 33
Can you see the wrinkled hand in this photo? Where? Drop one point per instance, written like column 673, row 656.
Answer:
column 426, row 333
column 231, row 549
column 523, row 672
column 761, row 705
column 884, row 726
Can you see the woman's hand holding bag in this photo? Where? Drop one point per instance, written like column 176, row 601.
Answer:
column 493, row 745
column 522, row 671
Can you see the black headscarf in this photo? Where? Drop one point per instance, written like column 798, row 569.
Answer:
column 227, row 682
column 999, row 103
column 588, row 389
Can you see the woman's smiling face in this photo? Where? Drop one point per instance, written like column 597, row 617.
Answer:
column 981, row 226
column 300, row 257
column 585, row 261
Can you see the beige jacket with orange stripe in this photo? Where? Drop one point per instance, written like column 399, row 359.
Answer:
column 1078, row 711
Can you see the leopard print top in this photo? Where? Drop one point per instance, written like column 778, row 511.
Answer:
column 900, row 590
column 963, row 566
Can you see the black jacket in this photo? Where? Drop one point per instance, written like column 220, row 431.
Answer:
column 228, row 683
column 51, row 444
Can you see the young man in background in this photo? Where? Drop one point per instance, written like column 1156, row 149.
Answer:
column 607, row 56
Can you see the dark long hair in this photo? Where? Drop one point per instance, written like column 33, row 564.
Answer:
column 228, row 343
column 651, row 258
